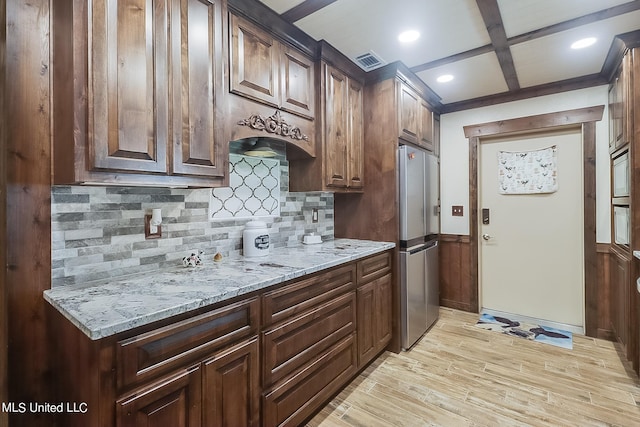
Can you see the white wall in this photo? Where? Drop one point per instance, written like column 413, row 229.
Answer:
column 454, row 152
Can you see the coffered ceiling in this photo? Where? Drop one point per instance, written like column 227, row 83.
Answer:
column 496, row 50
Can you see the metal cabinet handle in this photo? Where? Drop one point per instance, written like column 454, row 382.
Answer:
column 486, row 236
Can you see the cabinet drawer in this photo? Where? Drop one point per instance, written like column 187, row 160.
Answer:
column 373, row 267
column 304, row 294
column 292, row 401
column 298, row 341
column 173, row 400
column 147, row 355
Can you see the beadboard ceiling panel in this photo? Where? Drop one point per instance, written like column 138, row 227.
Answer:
column 551, row 58
column 523, row 16
column 474, row 77
column 497, row 50
column 281, row 6
column 356, row 26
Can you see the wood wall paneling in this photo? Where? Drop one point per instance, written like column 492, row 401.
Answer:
column 28, row 203
column 589, row 236
column 635, row 178
column 376, row 214
column 604, row 292
column 456, row 284
column 4, row 391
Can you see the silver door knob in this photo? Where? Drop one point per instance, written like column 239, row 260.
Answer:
column 486, row 236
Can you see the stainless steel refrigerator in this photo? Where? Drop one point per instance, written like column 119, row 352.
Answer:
column 419, row 229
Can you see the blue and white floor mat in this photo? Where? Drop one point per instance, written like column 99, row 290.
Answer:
column 543, row 334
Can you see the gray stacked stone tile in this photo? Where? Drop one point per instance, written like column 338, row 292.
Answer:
column 98, row 232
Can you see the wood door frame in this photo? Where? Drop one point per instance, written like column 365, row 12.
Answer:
column 586, row 118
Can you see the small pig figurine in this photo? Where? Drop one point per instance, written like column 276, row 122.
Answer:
column 193, row 259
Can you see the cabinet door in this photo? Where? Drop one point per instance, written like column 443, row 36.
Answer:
column 620, row 298
column 374, row 318
column 231, row 387
column 355, row 148
column 171, row 401
column 298, row 83
column 254, row 62
column 128, row 90
column 336, row 131
column 426, row 126
column 366, row 323
column 613, row 124
column 383, row 311
column 408, row 105
column 197, row 79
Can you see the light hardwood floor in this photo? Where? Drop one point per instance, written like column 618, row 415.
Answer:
column 461, row 375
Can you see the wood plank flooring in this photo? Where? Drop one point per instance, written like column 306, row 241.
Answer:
column 461, row 375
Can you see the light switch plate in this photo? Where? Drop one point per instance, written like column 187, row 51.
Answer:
column 457, row 210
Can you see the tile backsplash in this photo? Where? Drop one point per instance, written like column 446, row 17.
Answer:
column 254, row 190
column 98, row 232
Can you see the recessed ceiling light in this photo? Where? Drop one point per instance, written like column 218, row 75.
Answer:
column 409, row 36
column 444, row 78
column 580, row 44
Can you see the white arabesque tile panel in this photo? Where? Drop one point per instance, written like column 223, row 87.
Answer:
column 253, row 192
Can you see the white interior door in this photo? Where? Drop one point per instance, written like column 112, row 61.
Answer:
column 532, row 263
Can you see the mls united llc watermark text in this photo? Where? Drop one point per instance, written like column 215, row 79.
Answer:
column 44, row 407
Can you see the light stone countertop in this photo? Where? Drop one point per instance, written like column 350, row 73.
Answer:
column 107, row 307
column 636, row 254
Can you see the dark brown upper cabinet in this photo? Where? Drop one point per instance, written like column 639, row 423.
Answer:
column 344, row 130
column 265, row 70
column 141, row 106
column 427, row 126
column 415, row 118
column 339, row 163
column 199, row 147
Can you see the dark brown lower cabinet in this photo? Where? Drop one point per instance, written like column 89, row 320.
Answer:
column 231, row 387
column 374, row 318
column 293, row 400
column 220, row 391
column 272, row 358
column 620, row 295
column 170, row 401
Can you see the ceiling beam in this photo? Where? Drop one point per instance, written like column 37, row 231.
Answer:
column 453, row 58
column 529, row 92
column 490, row 12
column 611, row 12
column 305, row 9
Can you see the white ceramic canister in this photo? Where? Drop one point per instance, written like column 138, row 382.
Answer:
column 255, row 239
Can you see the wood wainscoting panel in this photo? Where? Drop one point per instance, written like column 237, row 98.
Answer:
column 603, row 294
column 456, row 284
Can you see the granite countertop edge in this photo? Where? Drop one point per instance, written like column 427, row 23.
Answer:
column 636, row 254
column 109, row 307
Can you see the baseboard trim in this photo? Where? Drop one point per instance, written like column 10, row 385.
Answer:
column 456, row 305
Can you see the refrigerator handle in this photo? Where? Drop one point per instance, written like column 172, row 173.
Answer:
column 417, row 248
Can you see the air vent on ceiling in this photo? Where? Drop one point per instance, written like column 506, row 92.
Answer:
column 369, row 61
